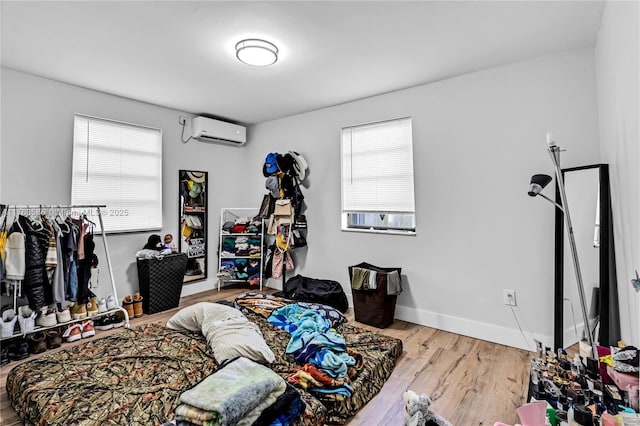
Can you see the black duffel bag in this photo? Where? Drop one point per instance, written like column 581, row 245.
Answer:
column 306, row 289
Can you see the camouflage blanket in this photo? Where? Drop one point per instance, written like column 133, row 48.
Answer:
column 135, row 377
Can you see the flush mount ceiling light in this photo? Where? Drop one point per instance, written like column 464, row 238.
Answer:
column 256, row 52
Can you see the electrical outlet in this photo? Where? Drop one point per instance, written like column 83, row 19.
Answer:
column 509, row 297
column 182, row 120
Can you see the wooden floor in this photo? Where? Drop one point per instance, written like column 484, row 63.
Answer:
column 471, row 382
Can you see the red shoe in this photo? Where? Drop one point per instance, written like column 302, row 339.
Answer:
column 87, row 329
column 73, row 333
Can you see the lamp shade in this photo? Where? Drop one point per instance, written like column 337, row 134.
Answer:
column 538, row 182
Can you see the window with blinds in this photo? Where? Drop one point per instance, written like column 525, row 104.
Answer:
column 377, row 177
column 119, row 165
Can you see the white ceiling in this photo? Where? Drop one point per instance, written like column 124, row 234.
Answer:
column 179, row 54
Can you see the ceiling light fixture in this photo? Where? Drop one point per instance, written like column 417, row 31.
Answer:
column 256, row 52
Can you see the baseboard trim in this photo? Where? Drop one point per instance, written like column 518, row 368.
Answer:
column 476, row 329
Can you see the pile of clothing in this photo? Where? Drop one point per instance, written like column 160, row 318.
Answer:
column 245, row 246
column 242, row 225
column 318, row 348
column 240, row 269
column 240, row 392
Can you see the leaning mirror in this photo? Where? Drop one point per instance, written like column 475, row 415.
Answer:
column 193, row 222
column 588, row 197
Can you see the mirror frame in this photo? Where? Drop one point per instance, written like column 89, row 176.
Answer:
column 609, row 316
column 197, row 254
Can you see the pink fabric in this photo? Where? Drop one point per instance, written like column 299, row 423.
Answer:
column 622, row 379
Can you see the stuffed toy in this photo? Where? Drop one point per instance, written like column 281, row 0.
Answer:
column 417, row 411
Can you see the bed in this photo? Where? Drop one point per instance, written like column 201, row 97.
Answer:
column 135, row 377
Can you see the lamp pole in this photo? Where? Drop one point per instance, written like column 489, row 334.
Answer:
column 554, row 153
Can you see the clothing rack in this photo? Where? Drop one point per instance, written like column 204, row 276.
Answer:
column 70, row 208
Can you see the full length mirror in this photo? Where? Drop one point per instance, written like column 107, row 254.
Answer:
column 588, row 198
column 193, row 223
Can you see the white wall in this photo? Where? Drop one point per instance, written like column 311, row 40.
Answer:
column 37, row 137
column 617, row 56
column 478, row 139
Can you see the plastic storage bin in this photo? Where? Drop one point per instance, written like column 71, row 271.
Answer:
column 375, row 307
column 160, row 281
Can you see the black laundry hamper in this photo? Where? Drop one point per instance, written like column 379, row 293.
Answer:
column 374, row 307
column 160, row 281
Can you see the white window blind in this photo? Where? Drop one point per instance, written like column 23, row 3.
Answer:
column 118, row 165
column 377, row 167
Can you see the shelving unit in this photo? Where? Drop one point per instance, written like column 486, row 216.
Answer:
column 238, row 260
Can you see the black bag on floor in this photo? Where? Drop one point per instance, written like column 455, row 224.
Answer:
column 306, row 289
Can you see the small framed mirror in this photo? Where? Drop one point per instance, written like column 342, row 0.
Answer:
column 193, row 223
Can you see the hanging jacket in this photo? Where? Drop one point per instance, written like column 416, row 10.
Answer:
column 36, row 281
column 84, row 269
column 15, row 256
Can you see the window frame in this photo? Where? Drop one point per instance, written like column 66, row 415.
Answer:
column 111, row 209
column 382, row 227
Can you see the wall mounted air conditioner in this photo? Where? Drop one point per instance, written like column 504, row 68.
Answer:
column 209, row 130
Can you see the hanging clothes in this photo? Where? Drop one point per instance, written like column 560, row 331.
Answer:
column 84, row 264
column 36, row 282
column 57, row 280
column 71, row 254
column 15, row 256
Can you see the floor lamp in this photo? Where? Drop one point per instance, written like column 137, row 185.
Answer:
column 538, row 182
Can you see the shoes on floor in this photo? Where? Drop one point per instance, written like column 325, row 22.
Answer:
column 54, row 339
column 72, row 333
column 4, row 356
column 18, row 349
column 103, row 323
column 137, row 305
column 87, row 329
column 108, row 322
column 118, row 319
column 127, row 303
column 37, row 342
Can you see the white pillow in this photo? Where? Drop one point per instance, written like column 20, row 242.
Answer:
column 229, row 333
column 192, row 317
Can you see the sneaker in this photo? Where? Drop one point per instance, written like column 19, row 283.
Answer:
column 63, row 315
column 54, row 340
column 103, row 323
column 87, row 329
column 111, row 303
column 79, row 311
column 102, row 306
column 9, row 320
column 46, row 318
column 117, row 320
column 37, row 342
column 26, row 319
column 72, row 333
column 4, row 356
column 18, row 349
column 92, row 307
